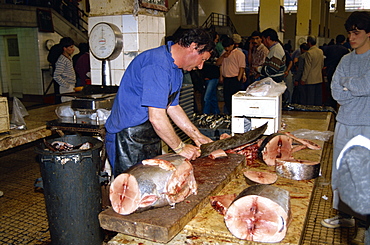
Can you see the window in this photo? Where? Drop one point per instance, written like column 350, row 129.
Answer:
column 353, row 5
column 247, row 6
column 251, row 6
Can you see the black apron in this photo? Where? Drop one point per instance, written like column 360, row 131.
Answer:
column 137, row 143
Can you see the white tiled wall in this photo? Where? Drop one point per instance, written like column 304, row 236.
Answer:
column 139, row 33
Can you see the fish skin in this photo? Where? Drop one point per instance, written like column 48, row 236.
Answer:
column 232, row 142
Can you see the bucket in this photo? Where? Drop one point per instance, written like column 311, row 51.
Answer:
column 72, row 191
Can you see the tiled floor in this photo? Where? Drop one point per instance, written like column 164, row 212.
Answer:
column 23, row 217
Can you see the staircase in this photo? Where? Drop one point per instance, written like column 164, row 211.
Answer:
column 220, row 23
column 67, row 20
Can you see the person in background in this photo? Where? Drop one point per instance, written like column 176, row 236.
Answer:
column 52, row 58
column 333, row 54
column 64, row 73
column 81, row 63
column 288, row 47
column 211, row 74
column 299, row 95
column 148, row 97
column 237, row 41
column 351, row 89
column 312, row 73
column 232, row 71
column 256, row 55
column 219, row 48
column 288, row 79
column 274, row 65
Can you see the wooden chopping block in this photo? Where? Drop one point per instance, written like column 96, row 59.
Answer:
column 162, row 224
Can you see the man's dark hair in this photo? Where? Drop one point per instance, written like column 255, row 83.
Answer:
column 228, row 41
column 66, row 42
column 311, row 40
column 340, row 39
column 83, row 47
column 304, row 46
column 199, row 36
column 269, row 32
column 256, row 33
column 358, row 20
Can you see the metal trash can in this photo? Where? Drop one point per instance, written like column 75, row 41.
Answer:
column 72, row 191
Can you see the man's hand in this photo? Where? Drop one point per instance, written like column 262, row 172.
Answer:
column 202, row 140
column 190, row 152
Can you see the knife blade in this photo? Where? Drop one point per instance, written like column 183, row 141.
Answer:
column 232, row 142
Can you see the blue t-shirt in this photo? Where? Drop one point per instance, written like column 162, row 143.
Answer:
column 148, row 81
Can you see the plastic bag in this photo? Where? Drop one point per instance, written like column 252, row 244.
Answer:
column 67, row 111
column 19, row 112
column 266, row 87
column 313, row 134
column 102, row 114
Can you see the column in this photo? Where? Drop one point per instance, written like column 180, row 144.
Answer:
column 303, row 22
column 142, row 29
column 270, row 16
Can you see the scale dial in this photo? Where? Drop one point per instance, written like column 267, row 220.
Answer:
column 105, row 41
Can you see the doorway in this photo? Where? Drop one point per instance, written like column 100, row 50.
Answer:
column 13, row 64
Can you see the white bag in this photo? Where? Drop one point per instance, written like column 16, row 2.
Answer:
column 266, row 87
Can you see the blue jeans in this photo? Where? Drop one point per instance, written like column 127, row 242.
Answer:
column 210, row 97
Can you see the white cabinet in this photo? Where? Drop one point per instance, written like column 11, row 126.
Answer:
column 258, row 109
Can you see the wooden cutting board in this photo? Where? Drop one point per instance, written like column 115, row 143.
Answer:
column 162, row 224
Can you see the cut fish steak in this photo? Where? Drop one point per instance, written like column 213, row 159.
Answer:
column 257, row 177
column 259, row 213
column 297, row 169
column 222, row 203
column 275, row 146
column 165, row 180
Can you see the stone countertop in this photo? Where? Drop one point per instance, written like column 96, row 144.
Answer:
column 36, row 128
column 208, row 227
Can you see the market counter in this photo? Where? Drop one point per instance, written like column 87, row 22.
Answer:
column 36, row 128
column 208, row 227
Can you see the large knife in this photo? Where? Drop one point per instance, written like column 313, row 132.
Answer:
column 232, row 142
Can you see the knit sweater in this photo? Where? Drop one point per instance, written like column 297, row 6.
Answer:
column 274, row 65
column 351, row 89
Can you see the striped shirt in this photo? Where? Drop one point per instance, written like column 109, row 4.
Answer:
column 64, row 73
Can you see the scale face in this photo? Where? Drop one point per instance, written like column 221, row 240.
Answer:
column 105, row 41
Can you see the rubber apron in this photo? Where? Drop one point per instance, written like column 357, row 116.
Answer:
column 137, row 143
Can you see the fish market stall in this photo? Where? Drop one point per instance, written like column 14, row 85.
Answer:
column 208, row 226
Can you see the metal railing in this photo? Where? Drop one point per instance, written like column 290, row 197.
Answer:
column 66, row 8
column 215, row 19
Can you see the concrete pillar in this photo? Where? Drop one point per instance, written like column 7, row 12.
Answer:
column 142, row 29
column 312, row 19
column 270, row 16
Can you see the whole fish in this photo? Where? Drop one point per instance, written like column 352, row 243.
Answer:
column 165, row 180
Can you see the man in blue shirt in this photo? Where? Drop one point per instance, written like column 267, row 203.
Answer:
column 149, row 96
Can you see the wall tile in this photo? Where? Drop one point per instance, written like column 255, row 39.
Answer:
column 117, row 76
column 130, row 42
column 161, row 25
column 143, row 42
column 143, row 24
column 152, row 24
column 128, row 57
column 117, row 63
column 129, row 24
column 96, row 76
